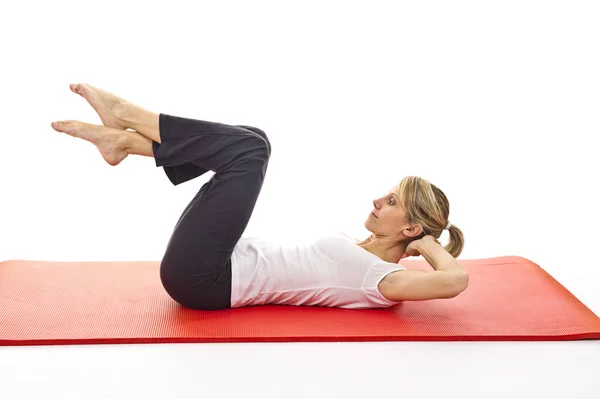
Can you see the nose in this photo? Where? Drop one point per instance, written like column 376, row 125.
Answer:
column 376, row 204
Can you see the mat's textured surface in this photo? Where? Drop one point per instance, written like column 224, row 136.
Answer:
column 52, row 303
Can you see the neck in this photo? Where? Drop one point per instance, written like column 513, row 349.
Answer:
column 390, row 250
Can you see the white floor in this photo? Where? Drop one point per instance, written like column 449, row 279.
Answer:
column 303, row 370
column 495, row 102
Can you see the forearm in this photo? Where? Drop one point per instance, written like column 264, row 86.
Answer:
column 438, row 257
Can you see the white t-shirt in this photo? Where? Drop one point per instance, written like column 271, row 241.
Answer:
column 329, row 271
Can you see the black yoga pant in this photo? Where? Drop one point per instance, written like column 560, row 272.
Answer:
column 196, row 267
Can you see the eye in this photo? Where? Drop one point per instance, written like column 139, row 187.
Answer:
column 390, row 199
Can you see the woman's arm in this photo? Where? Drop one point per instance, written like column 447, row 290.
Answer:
column 447, row 281
column 436, row 255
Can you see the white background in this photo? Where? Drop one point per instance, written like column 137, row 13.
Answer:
column 494, row 102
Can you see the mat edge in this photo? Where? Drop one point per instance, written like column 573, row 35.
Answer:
column 484, row 338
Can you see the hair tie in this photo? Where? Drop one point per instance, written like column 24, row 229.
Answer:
column 448, row 227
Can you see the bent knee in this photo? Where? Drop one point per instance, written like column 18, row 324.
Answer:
column 262, row 134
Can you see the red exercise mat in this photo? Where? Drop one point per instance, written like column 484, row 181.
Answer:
column 53, row 303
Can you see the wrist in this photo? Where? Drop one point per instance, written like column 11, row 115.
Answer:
column 427, row 240
column 426, row 243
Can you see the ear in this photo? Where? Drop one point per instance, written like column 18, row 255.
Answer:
column 413, row 230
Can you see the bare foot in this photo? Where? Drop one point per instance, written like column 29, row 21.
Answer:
column 109, row 142
column 103, row 102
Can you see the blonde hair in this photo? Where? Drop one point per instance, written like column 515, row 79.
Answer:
column 425, row 204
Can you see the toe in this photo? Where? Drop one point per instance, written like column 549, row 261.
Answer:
column 77, row 88
column 56, row 126
column 63, row 126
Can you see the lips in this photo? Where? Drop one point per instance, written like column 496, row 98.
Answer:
column 374, row 215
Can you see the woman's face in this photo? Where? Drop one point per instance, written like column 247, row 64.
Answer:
column 388, row 218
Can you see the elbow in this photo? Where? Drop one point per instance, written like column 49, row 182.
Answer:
column 461, row 283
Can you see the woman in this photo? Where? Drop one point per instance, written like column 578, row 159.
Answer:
column 207, row 265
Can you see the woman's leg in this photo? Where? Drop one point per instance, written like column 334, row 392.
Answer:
column 196, row 266
column 121, row 114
